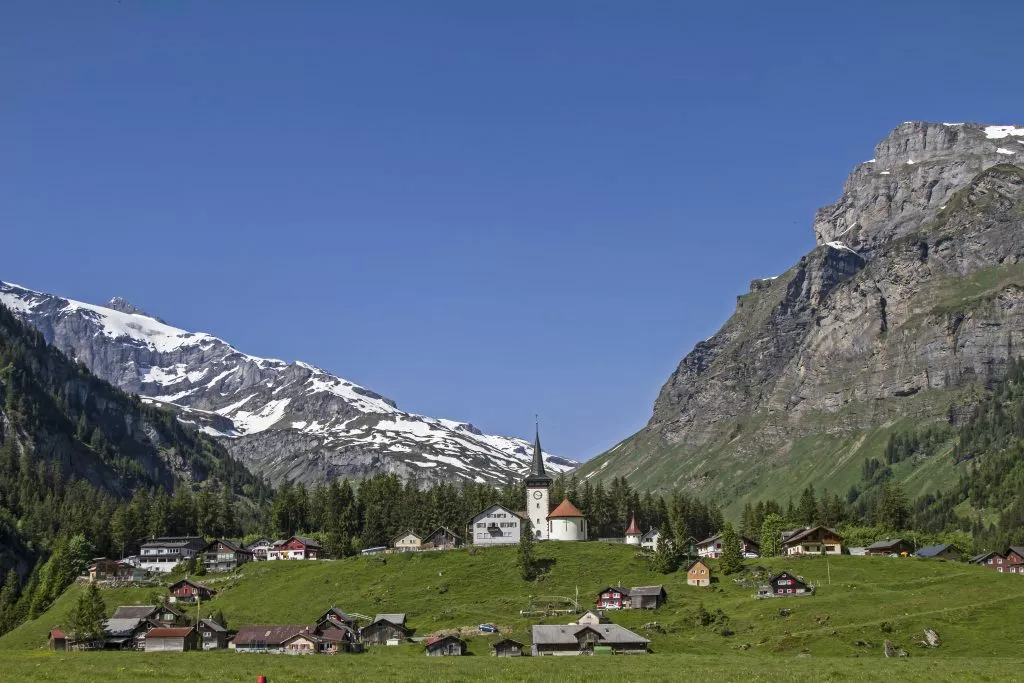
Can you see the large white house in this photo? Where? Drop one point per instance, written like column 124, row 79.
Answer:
column 162, row 554
column 497, row 525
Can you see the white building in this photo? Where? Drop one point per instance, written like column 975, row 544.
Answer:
column 649, row 541
column 633, row 533
column 538, row 493
column 162, row 554
column 567, row 523
column 497, row 525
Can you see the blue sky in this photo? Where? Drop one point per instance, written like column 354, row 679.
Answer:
column 481, row 210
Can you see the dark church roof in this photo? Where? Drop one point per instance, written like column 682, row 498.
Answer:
column 537, row 475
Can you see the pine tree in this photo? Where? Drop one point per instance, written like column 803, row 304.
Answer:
column 666, row 557
column 526, row 562
column 85, row 620
column 732, row 555
column 771, row 534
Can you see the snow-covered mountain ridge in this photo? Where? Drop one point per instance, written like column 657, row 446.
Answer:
column 288, row 421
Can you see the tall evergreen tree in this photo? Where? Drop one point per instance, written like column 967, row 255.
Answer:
column 732, row 554
column 526, row 561
column 771, row 534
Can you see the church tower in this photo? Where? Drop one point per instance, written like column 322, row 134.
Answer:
column 538, row 489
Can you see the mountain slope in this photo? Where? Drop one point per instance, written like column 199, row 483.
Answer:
column 911, row 305
column 288, row 421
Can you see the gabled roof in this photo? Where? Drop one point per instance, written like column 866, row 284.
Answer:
column 233, row 546
column 566, row 509
column 190, row 582
column 799, row 536
column 509, row 641
column 984, row 556
column 633, row 529
column 646, row 591
column 115, row 628
column 886, row 544
column 790, row 575
column 396, row 619
column 213, row 625
column 743, row 540
column 271, row 636
column 167, row 632
column 134, row 611
column 933, row 550
column 444, row 531
column 695, row 563
column 1016, row 549
column 651, row 533
column 335, row 635
column 440, row 639
column 611, row 634
column 489, row 508
column 410, row 532
column 57, row 634
column 335, row 612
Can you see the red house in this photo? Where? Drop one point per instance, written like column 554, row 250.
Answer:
column 190, row 591
column 613, row 597
column 295, row 548
column 992, row 560
column 1014, row 562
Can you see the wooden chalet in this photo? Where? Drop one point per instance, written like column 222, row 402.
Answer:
column 223, row 555
column 445, row 646
column 335, row 618
column 187, row 590
column 295, row 548
column 944, row 551
column 892, row 547
column 712, row 547
column 303, row 643
column 576, row 640
column 406, row 542
column 1013, row 562
column 385, row 629
column 991, row 560
column 126, row 634
column 814, row 540
column 103, row 569
column 171, row 639
column 785, row 584
column 613, row 597
column 508, row 648
column 698, row 574
column 442, row 538
column 271, row 638
column 162, row 615
column 212, row 636
column 58, row 640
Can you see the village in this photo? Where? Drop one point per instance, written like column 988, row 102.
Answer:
column 183, row 619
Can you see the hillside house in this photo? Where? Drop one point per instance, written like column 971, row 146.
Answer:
column 613, row 597
column 385, row 629
column 171, row 639
column 269, row 638
column 712, row 547
column 944, row 551
column 649, row 541
column 126, row 634
column 812, row 541
column 163, row 553
column 187, row 590
column 223, row 555
column 259, row 549
column 58, row 640
column 162, row 615
column 442, row 539
column 508, row 648
column 892, row 547
column 698, row 574
column 212, row 636
column 576, row 640
column 303, row 643
column 633, row 534
column 785, row 584
column 445, row 646
column 295, row 548
column 335, row 618
column 497, row 525
column 1013, row 562
column 592, row 618
column 104, row 569
column 647, row 597
column 406, row 542
column 991, row 559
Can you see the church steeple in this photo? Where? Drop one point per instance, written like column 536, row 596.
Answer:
column 538, row 476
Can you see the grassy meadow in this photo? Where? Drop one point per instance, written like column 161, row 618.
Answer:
column 837, row 634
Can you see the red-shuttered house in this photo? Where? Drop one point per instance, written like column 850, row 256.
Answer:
column 295, row 548
column 1014, row 560
column 190, row 591
column 613, row 597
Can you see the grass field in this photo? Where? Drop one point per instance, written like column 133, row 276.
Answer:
column 837, row 634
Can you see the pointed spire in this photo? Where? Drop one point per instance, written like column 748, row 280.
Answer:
column 633, row 529
column 538, row 476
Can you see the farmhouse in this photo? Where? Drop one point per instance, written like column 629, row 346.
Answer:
column 576, row 639
column 223, row 555
column 163, row 553
column 445, row 646
column 992, row 560
column 649, row 541
column 892, row 547
column 103, row 569
column 170, row 639
column 497, row 525
column 813, row 540
column 633, row 532
column 163, row 615
column 613, row 597
column 508, row 648
column 407, row 541
column 785, row 584
column 698, row 574
column 269, row 638
column 187, row 590
column 442, row 539
column 212, row 636
column 592, row 618
column 1014, row 562
column 335, row 618
column 125, row 634
column 295, row 548
column 385, row 629
column 712, row 547
column 303, row 643
column 944, row 551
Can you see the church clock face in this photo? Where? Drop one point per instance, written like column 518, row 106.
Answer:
column 537, row 495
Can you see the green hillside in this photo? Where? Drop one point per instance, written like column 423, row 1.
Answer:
column 868, row 600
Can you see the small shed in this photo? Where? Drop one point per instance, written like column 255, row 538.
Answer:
column 698, row 574
column 647, row 597
column 445, row 646
column 508, row 648
column 171, row 639
column 385, row 629
column 58, row 640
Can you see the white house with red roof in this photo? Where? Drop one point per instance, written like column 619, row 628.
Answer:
column 633, row 533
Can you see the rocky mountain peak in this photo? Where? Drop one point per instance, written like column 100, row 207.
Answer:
column 119, row 304
column 915, row 170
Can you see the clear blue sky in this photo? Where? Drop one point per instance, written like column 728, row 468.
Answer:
column 482, row 210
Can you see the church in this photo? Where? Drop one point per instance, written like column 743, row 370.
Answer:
column 564, row 522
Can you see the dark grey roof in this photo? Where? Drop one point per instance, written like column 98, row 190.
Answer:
column 807, row 532
column 611, row 634
column 887, row 543
column 396, row 619
column 984, row 556
column 646, row 590
column 305, row 540
column 1019, row 549
column 133, row 611
column 120, row 628
column 537, row 475
column 933, row 550
column 213, row 625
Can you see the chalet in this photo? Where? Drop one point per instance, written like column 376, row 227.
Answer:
column 698, row 574
column 212, row 636
column 259, row 549
column 445, row 646
column 385, row 629
column 187, row 590
column 295, row 548
column 592, row 618
column 171, row 639
column 991, row 559
column 1014, row 560
column 270, row 638
column 893, row 547
column 125, row 634
column 633, row 532
column 712, row 547
column 335, row 618
column 576, row 640
column 785, row 584
column 613, row 597
column 649, row 541
column 407, row 541
column 508, row 648
column 647, row 597
column 163, row 553
column 335, row 640
column 58, row 640
column 223, row 555
column 497, row 525
column 303, row 643
column 945, row 551
column 103, row 569
column 813, row 540
column 442, row 539
column 163, row 615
